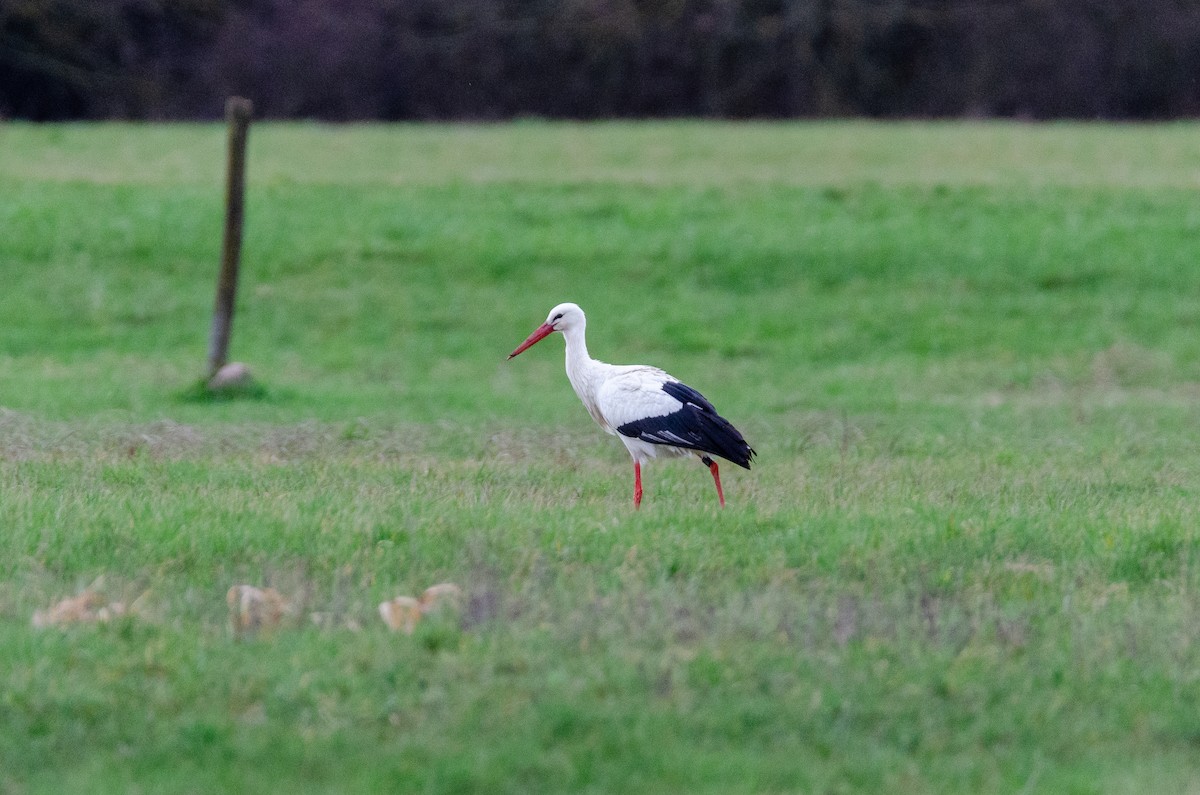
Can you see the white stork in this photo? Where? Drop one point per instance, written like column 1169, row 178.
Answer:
column 651, row 412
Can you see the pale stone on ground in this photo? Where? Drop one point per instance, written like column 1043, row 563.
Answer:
column 252, row 609
column 401, row 614
column 232, row 375
column 87, row 607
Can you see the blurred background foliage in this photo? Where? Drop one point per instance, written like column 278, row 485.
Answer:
column 498, row 59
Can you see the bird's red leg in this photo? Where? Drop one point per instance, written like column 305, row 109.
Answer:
column 712, row 467
column 637, row 484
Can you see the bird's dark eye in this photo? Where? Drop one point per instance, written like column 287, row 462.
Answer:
column 557, row 317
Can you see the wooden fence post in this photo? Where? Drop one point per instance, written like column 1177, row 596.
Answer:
column 237, row 116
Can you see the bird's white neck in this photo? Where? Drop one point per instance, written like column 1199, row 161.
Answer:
column 578, row 360
column 585, row 373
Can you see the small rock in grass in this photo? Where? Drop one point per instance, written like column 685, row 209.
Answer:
column 252, row 609
column 85, row 608
column 444, row 594
column 401, row 614
column 232, row 376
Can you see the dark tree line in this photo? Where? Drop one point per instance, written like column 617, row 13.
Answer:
column 495, row 59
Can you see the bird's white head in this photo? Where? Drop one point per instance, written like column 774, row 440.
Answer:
column 564, row 317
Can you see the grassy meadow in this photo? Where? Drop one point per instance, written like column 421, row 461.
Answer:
column 967, row 559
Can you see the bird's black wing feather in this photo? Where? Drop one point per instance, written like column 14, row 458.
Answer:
column 696, row 425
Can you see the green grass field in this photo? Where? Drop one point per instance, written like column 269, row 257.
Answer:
column 968, row 558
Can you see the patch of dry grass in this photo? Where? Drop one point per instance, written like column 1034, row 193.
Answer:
column 678, row 153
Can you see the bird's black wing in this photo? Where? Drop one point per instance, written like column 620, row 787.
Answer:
column 694, row 425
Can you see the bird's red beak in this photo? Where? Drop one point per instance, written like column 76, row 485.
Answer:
column 542, row 331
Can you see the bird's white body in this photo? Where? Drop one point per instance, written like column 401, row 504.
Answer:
column 651, row 412
column 616, row 394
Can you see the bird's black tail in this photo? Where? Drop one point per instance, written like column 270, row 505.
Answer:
column 725, row 440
